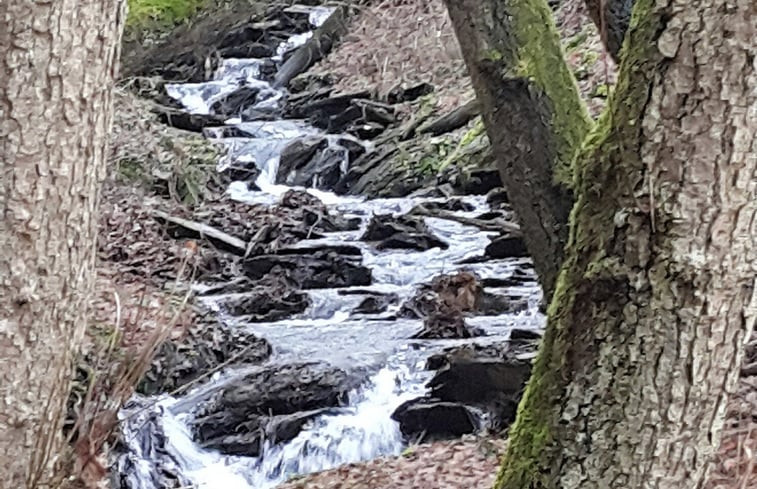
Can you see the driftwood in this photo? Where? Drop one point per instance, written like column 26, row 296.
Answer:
column 452, row 120
column 200, row 230
column 314, row 49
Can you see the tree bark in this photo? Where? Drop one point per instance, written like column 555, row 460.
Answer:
column 533, row 114
column 657, row 296
column 611, row 18
column 57, row 64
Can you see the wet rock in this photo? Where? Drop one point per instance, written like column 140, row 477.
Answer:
column 453, row 204
column 241, row 173
column 319, row 270
column 486, row 379
column 403, row 232
column 490, row 304
column 456, row 292
column 204, row 348
column 518, row 334
column 245, row 50
column 181, row 119
column 233, row 103
column 367, row 130
column 481, row 181
column 297, row 155
column 400, row 94
column 444, row 190
column 446, row 324
column 497, row 198
column 375, row 304
column 322, row 170
column 324, row 107
column 479, row 380
column 506, row 247
column 435, row 419
column 314, row 214
column 265, row 303
column 272, row 402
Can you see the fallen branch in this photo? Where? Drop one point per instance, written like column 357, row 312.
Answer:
column 452, row 120
column 200, row 230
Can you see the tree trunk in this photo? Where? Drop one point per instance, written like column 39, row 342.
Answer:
column 534, row 116
column 57, row 65
column 611, row 18
column 657, row 296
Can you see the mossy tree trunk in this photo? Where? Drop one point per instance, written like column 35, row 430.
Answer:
column 58, row 61
column 533, row 114
column 657, row 294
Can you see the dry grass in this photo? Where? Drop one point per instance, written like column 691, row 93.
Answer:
column 114, row 357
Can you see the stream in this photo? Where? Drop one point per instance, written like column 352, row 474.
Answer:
column 328, row 331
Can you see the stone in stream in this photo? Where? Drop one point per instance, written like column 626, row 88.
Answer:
column 321, row 269
column 232, row 104
column 473, row 379
column 204, row 348
column 462, row 292
column 506, row 247
column 264, row 304
column 271, row 402
column 375, row 303
column 403, row 232
column 433, row 419
column 297, row 155
column 314, row 214
column 312, row 161
column 447, row 323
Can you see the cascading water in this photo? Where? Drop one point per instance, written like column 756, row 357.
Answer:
column 156, row 432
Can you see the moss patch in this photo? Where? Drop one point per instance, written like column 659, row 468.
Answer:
column 543, row 62
column 160, row 14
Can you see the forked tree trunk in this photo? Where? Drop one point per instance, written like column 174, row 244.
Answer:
column 657, row 296
column 533, row 114
column 57, row 65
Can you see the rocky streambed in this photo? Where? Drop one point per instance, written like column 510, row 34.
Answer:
column 342, row 327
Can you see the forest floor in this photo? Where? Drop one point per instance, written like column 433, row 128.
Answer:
column 382, row 50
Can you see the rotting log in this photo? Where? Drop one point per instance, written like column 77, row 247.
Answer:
column 534, row 116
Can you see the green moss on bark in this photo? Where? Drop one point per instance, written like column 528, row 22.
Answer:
column 604, row 168
column 541, row 60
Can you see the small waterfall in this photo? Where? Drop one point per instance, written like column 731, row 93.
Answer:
column 361, row 432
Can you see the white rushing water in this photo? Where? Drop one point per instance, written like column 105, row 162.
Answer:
column 156, row 432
